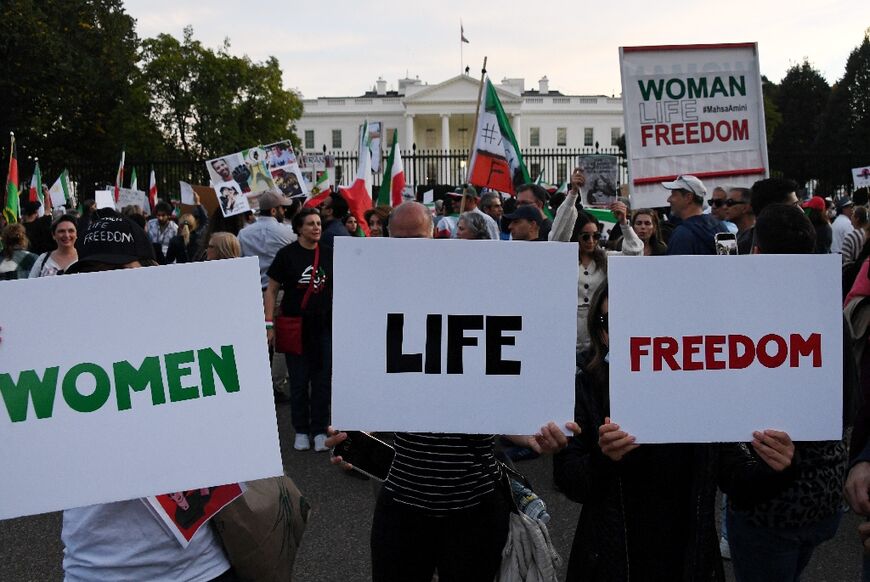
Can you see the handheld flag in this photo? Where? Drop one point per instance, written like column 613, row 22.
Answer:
column 152, row 191
column 59, row 191
column 358, row 194
column 35, row 194
column 496, row 161
column 11, row 210
column 391, row 190
column 321, row 189
column 119, row 179
column 134, row 181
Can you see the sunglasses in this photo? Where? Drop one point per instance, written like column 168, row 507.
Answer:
column 586, row 236
column 720, row 202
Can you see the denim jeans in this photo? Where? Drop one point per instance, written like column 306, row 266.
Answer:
column 311, row 390
column 773, row 554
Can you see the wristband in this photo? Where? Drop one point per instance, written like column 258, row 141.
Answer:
column 269, row 325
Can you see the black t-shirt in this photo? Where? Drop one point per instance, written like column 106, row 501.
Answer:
column 292, row 268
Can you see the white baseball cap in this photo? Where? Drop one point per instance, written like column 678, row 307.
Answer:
column 689, row 184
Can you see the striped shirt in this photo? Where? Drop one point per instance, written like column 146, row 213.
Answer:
column 852, row 245
column 442, row 472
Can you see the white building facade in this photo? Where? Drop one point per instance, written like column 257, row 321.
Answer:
column 440, row 117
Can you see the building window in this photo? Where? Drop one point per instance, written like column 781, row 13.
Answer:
column 430, row 139
column 462, row 132
column 561, row 136
column 588, row 138
column 561, row 172
column 615, row 134
column 309, row 139
column 534, row 137
column 336, row 139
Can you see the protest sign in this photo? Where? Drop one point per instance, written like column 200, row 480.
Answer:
column 187, row 194
column 861, row 177
column 231, row 199
column 185, row 512
column 683, row 372
column 490, row 351
column 692, row 109
column 601, row 173
column 114, row 407
column 285, row 170
column 130, row 197
column 104, row 199
column 375, row 131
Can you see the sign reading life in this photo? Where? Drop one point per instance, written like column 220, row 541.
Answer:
column 466, row 343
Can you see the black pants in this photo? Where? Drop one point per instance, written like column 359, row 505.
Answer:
column 408, row 545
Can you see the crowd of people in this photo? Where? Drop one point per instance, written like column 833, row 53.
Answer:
column 648, row 511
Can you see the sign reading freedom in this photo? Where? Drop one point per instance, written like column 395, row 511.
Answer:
column 693, row 109
column 106, row 401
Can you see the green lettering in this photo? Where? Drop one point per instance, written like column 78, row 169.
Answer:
column 681, row 89
column 651, row 87
column 738, row 86
column 697, row 87
column 41, row 391
column 224, row 365
column 127, row 378
column 86, row 402
column 175, row 372
column 718, row 87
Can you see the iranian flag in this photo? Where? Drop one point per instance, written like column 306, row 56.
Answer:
column 59, row 191
column 11, row 211
column 134, row 181
column 358, row 194
column 319, row 191
column 119, row 179
column 391, row 190
column 496, row 161
column 152, row 190
column 35, row 193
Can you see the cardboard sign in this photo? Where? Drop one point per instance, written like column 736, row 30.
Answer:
column 469, row 336
column 104, row 199
column 861, row 177
column 115, row 404
column 692, row 109
column 710, row 349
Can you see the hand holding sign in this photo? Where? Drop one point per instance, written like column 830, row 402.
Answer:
column 614, row 442
column 620, row 211
column 774, row 447
column 858, row 488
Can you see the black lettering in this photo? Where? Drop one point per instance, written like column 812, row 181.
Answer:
column 457, row 325
column 496, row 325
column 433, row 344
column 397, row 362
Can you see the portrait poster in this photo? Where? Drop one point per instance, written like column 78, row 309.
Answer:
column 285, row 170
column 231, row 199
column 601, row 172
column 861, row 177
column 185, row 512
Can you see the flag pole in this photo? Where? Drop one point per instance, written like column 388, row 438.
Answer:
column 461, row 58
column 474, row 132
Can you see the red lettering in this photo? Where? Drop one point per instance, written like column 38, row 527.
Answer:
column 740, row 129
column 662, row 135
column 677, row 135
column 811, row 346
column 637, row 345
column 767, row 360
column 721, row 127
column 692, row 346
column 692, row 133
column 714, row 344
column 665, row 349
column 737, row 361
column 707, row 132
column 646, row 132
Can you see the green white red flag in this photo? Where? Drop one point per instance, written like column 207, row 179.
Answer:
column 391, row 190
column 496, row 161
column 35, row 193
column 319, row 191
column 358, row 194
column 119, row 178
column 59, row 192
column 11, row 210
column 134, row 181
column 152, row 191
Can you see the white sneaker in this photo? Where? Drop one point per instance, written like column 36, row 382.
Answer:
column 724, row 548
column 302, row 442
column 320, row 443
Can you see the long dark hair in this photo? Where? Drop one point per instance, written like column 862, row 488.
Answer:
column 596, row 366
column 655, row 243
column 598, row 255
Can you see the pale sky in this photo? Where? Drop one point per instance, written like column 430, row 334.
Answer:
column 340, row 47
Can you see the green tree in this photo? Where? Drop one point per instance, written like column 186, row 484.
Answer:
column 772, row 116
column 800, row 98
column 209, row 103
column 71, row 89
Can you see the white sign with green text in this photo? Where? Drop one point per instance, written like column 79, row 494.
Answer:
column 115, row 396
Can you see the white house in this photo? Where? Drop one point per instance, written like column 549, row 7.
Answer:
column 441, row 116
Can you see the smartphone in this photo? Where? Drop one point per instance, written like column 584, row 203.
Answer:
column 367, row 454
column 726, row 243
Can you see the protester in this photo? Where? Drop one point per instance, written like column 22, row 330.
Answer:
column 183, row 246
column 854, row 241
column 89, row 208
column 696, row 232
column 421, row 523
column 126, row 540
column 378, row 220
column 38, row 228
column 298, row 266
column 55, row 262
column 738, row 210
column 525, row 223
column 268, row 235
column 161, row 230
column 217, row 222
column 466, row 195
column 815, row 210
column 472, row 226
column 16, row 261
column 648, row 511
column 645, row 223
column 842, row 224
column 719, row 209
column 333, row 209
column 490, row 203
column 536, row 196
column 223, row 245
column 351, row 224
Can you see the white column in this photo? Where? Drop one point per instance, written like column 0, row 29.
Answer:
column 409, row 130
column 517, row 127
column 445, row 131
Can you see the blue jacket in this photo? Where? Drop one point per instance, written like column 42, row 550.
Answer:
column 695, row 236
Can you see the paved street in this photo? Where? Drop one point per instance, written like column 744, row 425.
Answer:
column 335, row 547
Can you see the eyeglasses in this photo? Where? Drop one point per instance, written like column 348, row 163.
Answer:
column 587, row 236
column 717, row 202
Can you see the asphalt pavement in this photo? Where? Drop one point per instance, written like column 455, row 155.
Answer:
column 336, row 542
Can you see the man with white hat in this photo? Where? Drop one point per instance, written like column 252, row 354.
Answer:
column 696, row 232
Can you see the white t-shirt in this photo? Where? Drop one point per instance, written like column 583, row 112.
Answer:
column 45, row 266
column 119, row 541
column 840, row 228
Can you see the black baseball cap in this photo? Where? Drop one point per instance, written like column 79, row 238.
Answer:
column 112, row 239
column 527, row 212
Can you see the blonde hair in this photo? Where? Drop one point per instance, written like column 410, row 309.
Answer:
column 14, row 237
column 185, row 226
column 225, row 245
